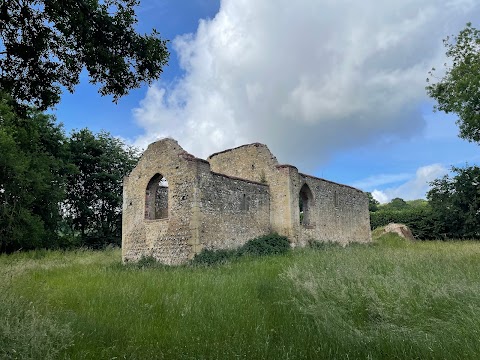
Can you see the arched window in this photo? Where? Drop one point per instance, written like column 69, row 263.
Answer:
column 305, row 205
column 156, row 198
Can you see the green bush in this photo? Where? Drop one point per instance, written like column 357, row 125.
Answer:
column 322, row 245
column 210, row 257
column 420, row 220
column 266, row 245
column 146, row 261
column 271, row 244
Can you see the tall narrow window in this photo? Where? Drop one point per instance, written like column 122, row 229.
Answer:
column 305, row 204
column 244, row 203
column 156, row 198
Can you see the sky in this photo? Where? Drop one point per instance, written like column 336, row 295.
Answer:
column 334, row 87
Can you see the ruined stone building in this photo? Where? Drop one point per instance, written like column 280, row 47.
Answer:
column 175, row 204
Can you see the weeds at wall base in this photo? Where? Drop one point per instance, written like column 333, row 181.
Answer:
column 272, row 244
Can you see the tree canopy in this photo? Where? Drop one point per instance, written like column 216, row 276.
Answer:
column 58, row 191
column 458, row 90
column 32, row 168
column 372, row 203
column 456, row 203
column 45, row 45
column 93, row 202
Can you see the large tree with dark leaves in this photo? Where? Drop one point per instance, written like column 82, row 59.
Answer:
column 45, row 44
column 457, row 91
column 455, row 202
column 32, row 174
column 93, row 203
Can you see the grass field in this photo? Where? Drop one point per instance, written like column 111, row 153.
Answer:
column 389, row 300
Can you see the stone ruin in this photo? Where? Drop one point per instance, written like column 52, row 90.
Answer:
column 401, row 230
column 175, row 205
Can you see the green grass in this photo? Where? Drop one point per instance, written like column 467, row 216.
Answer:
column 389, row 300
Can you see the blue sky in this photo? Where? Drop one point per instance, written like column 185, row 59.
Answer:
column 333, row 87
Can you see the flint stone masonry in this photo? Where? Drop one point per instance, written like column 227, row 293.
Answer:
column 175, row 205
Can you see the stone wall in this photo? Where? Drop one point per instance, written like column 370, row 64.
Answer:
column 255, row 162
column 169, row 240
column 232, row 211
column 339, row 213
column 198, row 209
column 174, row 204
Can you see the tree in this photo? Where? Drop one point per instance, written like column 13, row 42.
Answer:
column 55, row 191
column 397, row 204
column 455, row 202
column 93, row 204
column 457, row 91
column 372, row 203
column 45, row 44
column 32, row 153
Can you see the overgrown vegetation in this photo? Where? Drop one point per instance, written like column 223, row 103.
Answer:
column 209, row 257
column 393, row 300
column 27, row 334
column 272, row 244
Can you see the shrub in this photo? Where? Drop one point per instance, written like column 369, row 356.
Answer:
column 145, row 262
column 271, row 244
column 266, row 245
column 322, row 245
column 210, row 257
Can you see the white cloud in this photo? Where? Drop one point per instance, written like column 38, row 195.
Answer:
column 415, row 188
column 382, row 179
column 305, row 77
column 380, row 196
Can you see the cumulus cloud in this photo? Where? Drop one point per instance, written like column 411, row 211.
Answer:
column 307, row 78
column 415, row 188
column 382, row 179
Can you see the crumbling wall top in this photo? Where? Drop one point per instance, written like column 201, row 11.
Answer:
column 172, row 143
column 332, row 182
column 252, row 145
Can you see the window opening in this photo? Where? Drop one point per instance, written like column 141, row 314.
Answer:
column 244, row 203
column 156, row 198
column 305, row 204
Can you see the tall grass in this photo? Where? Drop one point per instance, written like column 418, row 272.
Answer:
column 393, row 299
column 398, row 299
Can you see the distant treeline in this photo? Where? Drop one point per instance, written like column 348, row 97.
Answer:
column 451, row 211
